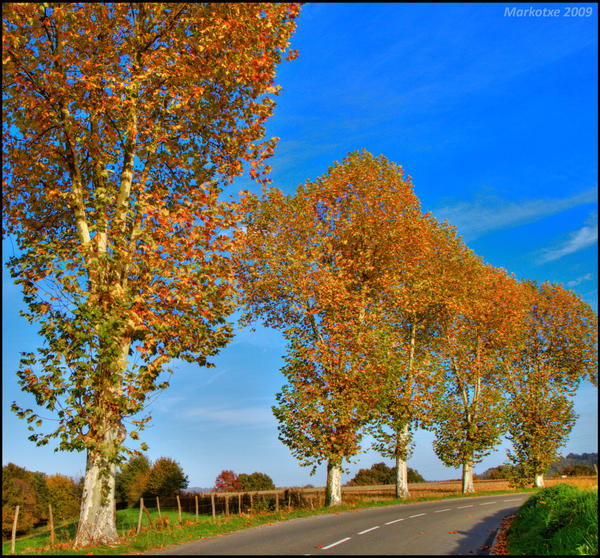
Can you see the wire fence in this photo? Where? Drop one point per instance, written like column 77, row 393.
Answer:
column 224, row 504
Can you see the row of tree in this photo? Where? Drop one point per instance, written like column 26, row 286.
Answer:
column 122, row 124
column 33, row 492
column 392, row 323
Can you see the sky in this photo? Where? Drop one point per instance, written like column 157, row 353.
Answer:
column 493, row 116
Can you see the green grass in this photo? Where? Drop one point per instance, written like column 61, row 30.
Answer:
column 190, row 529
column 559, row 520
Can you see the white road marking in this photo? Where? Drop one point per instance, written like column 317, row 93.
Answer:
column 418, row 515
column 367, row 530
column 446, row 509
column 395, row 521
column 487, row 503
column 462, row 507
column 513, row 500
column 336, row 543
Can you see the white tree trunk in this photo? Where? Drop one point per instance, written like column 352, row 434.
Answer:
column 333, row 494
column 539, row 481
column 97, row 520
column 467, row 478
column 401, row 466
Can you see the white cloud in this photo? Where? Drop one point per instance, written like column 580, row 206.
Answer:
column 575, row 282
column 258, row 416
column 578, row 240
column 490, row 213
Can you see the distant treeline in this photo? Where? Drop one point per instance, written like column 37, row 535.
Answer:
column 573, row 464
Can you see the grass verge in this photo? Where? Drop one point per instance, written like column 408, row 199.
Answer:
column 169, row 531
column 556, row 521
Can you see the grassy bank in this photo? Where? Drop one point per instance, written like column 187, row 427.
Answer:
column 559, row 520
column 169, row 531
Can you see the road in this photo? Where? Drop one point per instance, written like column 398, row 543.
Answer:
column 452, row 526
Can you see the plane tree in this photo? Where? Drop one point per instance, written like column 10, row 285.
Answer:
column 424, row 282
column 313, row 264
column 470, row 401
column 556, row 351
column 122, row 124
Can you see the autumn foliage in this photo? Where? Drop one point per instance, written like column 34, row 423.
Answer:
column 227, row 481
column 122, row 124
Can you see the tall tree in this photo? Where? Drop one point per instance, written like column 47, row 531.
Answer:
column 558, row 349
column 137, row 466
column 427, row 277
column 314, row 265
column 165, row 478
column 122, row 122
column 469, row 409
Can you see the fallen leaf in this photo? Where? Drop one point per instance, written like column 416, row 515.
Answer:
column 319, row 546
column 453, row 532
column 468, row 515
column 421, row 533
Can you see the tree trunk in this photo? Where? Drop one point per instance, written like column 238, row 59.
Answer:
column 97, row 520
column 401, row 466
column 539, row 481
column 333, row 493
column 467, row 477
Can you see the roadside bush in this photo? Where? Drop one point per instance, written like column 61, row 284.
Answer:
column 559, row 520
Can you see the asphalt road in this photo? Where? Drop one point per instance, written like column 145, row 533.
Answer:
column 454, row 526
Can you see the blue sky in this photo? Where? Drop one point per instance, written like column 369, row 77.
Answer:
column 493, row 117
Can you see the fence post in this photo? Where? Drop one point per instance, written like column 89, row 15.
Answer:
column 276, row 501
column 240, row 503
column 226, row 506
column 140, row 516
column 250, row 503
column 196, row 498
column 158, row 506
column 212, row 502
column 51, row 524
column 178, row 507
column 289, row 500
column 149, row 517
column 14, row 531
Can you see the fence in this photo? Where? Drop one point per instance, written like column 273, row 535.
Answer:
column 287, row 499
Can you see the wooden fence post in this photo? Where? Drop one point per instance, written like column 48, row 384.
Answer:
column 158, row 506
column 14, row 531
column 178, row 507
column 226, row 506
column 240, row 503
column 212, row 502
column 276, row 501
column 250, row 504
column 140, row 516
column 50, row 518
column 289, row 500
column 196, row 498
column 149, row 517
